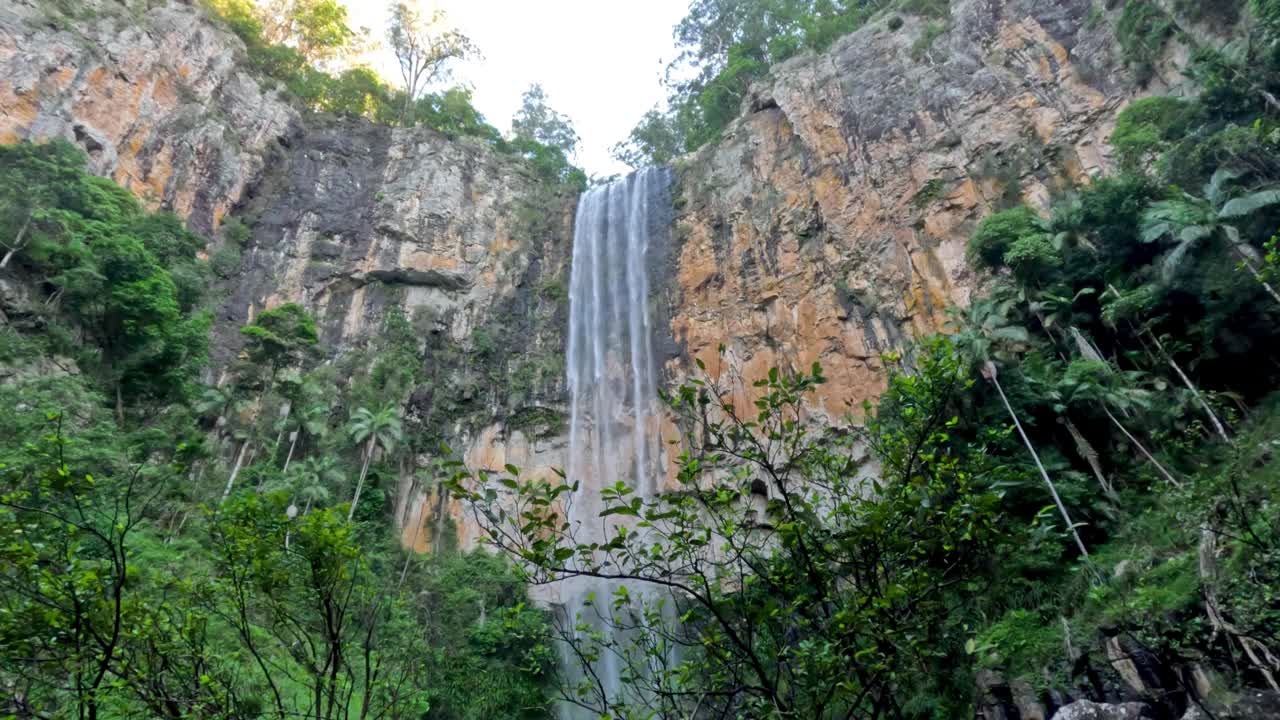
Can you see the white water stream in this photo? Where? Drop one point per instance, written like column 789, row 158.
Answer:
column 613, row 399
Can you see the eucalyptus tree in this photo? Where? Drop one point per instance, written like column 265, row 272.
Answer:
column 536, row 120
column 424, row 48
column 318, row 29
column 373, row 428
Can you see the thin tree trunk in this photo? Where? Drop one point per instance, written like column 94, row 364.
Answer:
column 1053, row 490
column 1257, row 274
column 368, row 458
column 1195, row 392
column 18, row 243
column 119, row 405
column 1089, row 454
column 1142, row 449
column 293, row 442
column 175, row 531
column 441, row 513
column 234, row 472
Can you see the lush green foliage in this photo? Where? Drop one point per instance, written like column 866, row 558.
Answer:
column 129, row 280
column 814, row 598
column 297, row 44
column 1142, row 30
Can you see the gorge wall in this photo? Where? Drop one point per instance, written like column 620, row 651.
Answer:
column 831, row 222
column 828, row 224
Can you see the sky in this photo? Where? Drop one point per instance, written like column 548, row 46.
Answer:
column 599, row 61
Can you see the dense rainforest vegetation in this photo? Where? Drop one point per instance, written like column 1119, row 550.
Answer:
column 723, row 46
column 187, row 546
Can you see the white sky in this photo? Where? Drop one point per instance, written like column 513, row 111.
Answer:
column 599, row 61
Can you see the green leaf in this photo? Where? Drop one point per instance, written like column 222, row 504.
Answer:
column 1249, row 204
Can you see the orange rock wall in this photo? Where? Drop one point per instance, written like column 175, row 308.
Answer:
column 155, row 95
column 830, row 223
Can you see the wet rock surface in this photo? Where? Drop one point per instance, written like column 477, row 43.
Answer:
column 830, row 222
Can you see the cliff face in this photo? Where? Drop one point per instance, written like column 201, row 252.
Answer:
column 156, row 97
column 828, row 224
column 346, row 218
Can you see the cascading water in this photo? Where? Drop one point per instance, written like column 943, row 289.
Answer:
column 612, row 377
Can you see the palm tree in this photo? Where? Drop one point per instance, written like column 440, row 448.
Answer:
column 980, row 338
column 312, row 478
column 1191, row 221
column 1119, row 306
column 373, row 429
column 1096, row 383
column 220, row 403
column 314, row 421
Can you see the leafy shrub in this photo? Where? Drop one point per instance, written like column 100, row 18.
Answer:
column 225, row 261
column 1142, row 31
column 998, row 234
column 1149, row 124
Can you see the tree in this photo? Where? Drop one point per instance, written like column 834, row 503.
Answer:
column 979, row 339
column 781, row 580
column 1094, row 382
column 68, row 573
column 310, row 616
column 424, row 49
column 313, row 478
column 33, row 183
column 655, row 140
column 538, row 122
column 1134, row 308
column 546, row 139
column 374, row 428
column 1191, row 221
column 280, row 337
column 317, row 29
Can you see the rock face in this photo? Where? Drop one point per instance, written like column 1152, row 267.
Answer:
column 157, row 97
column 1086, row 710
column 356, row 219
column 830, row 223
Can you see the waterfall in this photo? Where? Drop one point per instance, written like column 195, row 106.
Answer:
column 612, row 379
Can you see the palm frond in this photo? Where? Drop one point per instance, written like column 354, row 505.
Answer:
column 1217, row 186
column 1249, row 204
column 1172, row 262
